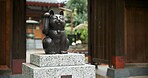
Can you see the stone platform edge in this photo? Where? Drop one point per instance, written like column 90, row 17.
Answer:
column 48, row 60
column 81, row 71
column 127, row 72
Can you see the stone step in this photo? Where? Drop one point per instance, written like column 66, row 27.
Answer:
column 81, row 71
column 48, row 60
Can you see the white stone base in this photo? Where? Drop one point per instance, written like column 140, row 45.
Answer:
column 80, row 71
column 48, row 60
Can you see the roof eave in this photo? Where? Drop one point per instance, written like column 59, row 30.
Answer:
column 44, row 4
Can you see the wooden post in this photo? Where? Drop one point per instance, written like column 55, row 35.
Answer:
column 118, row 34
column 18, row 36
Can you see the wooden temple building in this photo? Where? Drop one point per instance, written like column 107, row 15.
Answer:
column 35, row 10
column 117, row 35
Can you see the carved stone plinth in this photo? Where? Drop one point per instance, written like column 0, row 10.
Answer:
column 58, row 66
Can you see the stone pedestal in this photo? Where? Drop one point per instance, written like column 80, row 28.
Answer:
column 58, row 66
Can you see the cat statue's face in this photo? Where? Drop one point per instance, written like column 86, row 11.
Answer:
column 56, row 21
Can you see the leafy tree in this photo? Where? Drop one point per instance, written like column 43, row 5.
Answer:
column 80, row 11
column 79, row 8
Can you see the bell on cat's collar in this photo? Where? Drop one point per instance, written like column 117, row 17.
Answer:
column 59, row 23
column 58, row 31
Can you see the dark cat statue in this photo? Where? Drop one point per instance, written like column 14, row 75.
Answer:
column 55, row 41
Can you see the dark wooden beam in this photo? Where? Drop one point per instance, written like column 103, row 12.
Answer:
column 18, row 36
column 136, row 3
column 5, row 40
column 91, row 29
column 118, row 33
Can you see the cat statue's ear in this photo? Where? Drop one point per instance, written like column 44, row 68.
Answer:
column 51, row 12
column 61, row 13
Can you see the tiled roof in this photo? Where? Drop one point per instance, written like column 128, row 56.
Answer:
column 45, row 1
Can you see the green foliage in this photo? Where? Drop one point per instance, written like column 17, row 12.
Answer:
column 80, row 11
column 80, row 16
column 67, row 30
column 83, row 30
